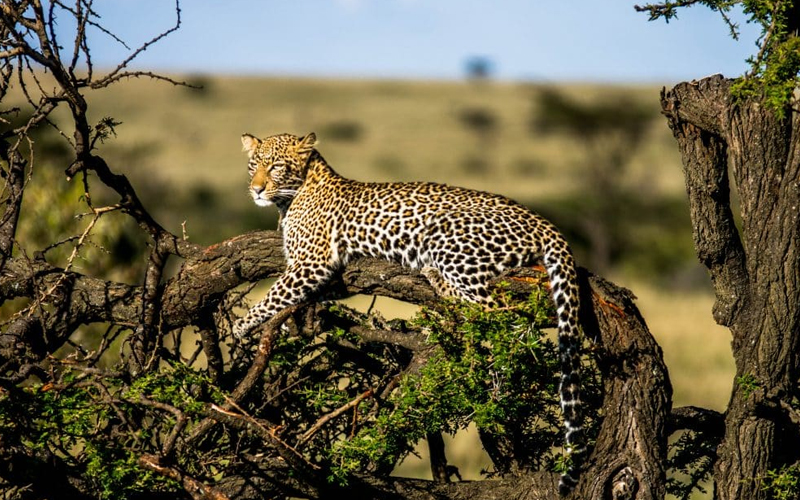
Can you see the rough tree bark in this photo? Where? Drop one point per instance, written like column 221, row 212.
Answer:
column 755, row 271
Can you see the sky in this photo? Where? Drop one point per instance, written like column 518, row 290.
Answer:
column 527, row 40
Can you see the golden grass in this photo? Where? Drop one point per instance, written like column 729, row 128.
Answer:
column 463, row 450
column 696, row 350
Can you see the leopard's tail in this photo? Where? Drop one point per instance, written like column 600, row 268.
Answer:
column 560, row 266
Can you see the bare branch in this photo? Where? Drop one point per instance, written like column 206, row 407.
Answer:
column 287, row 451
column 180, row 423
column 87, row 15
column 439, row 468
column 50, row 27
column 15, row 178
column 114, row 75
column 140, row 74
column 12, row 53
column 696, row 419
column 270, row 330
column 412, row 341
column 197, row 489
column 80, row 37
column 144, row 340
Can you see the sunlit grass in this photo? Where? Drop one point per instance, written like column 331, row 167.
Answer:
column 697, row 351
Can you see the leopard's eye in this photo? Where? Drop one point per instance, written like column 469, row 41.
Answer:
column 251, row 168
column 277, row 167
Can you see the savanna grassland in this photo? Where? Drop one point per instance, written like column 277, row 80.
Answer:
column 597, row 160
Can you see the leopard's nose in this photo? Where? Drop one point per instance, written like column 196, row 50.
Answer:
column 257, row 189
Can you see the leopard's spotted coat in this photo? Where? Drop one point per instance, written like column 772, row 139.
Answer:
column 458, row 238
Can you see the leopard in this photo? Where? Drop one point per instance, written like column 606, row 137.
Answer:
column 458, row 238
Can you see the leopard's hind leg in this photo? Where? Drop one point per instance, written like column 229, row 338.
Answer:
column 447, row 286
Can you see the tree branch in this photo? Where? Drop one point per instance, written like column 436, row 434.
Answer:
column 196, row 489
column 15, row 178
column 242, row 420
column 438, row 458
column 705, row 166
column 696, row 419
column 270, row 329
column 633, row 435
column 330, row 416
column 114, row 75
column 665, row 10
column 703, row 104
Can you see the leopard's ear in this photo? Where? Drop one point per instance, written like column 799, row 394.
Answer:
column 250, row 144
column 307, row 143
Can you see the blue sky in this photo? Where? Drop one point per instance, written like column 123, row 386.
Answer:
column 556, row 40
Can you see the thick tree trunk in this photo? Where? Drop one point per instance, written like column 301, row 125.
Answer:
column 755, row 272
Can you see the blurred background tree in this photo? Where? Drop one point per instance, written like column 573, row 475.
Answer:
column 611, row 131
column 478, row 68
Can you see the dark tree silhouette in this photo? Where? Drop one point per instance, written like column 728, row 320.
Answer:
column 611, row 132
column 478, row 68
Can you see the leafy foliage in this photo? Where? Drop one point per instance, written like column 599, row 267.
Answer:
column 747, row 383
column 691, row 463
column 775, row 70
column 784, row 483
column 495, row 369
column 76, row 421
column 102, row 427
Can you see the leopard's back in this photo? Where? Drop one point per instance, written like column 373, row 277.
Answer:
column 401, row 222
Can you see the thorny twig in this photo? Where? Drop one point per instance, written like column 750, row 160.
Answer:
column 330, row 416
column 44, row 296
column 260, row 363
column 247, row 422
column 197, row 489
column 118, row 73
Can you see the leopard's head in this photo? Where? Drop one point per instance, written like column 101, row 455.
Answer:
column 277, row 166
